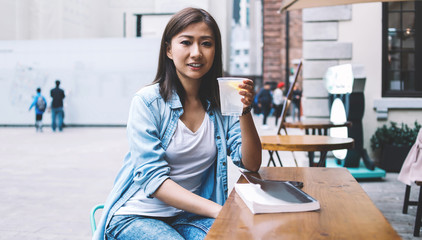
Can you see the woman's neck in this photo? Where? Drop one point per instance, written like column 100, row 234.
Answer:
column 191, row 90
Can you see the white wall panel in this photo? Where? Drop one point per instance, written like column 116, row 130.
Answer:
column 99, row 76
column 320, row 31
column 314, row 88
column 334, row 13
column 327, row 50
column 317, row 69
column 315, row 107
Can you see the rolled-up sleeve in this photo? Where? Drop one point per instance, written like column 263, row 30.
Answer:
column 147, row 154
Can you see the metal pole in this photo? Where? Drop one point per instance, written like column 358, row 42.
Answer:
column 263, row 43
column 138, row 25
column 287, row 50
column 124, row 24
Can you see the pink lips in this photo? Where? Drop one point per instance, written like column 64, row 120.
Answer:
column 195, row 66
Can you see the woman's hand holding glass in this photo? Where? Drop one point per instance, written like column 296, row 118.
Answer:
column 247, row 91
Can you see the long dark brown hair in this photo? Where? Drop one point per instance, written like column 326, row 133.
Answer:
column 166, row 72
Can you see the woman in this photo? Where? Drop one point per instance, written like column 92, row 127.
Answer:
column 174, row 179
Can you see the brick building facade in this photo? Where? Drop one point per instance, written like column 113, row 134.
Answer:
column 274, row 31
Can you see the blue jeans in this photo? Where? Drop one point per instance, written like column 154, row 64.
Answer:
column 57, row 114
column 183, row 226
column 296, row 106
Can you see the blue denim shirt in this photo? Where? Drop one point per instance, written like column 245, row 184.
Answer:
column 34, row 103
column 151, row 124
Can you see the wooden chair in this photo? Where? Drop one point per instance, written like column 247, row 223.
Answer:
column 286, row 105
column 418, row 203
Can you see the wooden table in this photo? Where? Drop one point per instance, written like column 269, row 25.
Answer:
column 346, row 211
column 307, row 143
column 321, row 126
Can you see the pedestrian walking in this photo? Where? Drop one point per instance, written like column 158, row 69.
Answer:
column 40, row 105
column 296, row 101
column 57, row 112
column 278, row 101
column 265, row 100
column 174, row 179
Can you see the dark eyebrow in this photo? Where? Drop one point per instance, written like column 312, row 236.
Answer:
column 202, row 37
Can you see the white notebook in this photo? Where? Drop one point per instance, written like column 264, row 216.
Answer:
column 283, row 197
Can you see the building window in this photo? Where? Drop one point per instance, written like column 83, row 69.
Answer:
column 402, row 30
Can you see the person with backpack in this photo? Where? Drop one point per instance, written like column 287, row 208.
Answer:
column 57, row 112
column 40, row 105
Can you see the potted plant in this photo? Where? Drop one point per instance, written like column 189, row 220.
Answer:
column 394, row 142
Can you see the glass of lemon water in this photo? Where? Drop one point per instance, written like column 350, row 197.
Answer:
column 230, row 99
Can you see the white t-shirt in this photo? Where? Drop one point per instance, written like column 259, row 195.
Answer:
column 278, row 96
column 189, row 155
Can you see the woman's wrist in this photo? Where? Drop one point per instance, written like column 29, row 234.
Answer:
column 216, row 211
column 246, row 110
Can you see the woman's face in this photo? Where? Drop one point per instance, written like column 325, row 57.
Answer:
column 192, row 51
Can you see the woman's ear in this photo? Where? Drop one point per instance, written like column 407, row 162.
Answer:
column 168, row 50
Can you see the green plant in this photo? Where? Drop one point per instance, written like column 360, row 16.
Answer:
column 395, row 135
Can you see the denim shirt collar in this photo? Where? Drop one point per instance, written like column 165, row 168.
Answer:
column 174, row 101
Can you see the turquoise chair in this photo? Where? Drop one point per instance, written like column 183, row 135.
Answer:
column 92, row 216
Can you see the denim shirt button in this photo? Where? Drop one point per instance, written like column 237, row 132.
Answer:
column 211, row 113
column 218, row 137
column 224, row 163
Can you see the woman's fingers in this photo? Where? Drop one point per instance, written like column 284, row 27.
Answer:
column 247, row 91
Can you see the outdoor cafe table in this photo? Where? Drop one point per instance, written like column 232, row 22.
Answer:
column 346, row 210
column 306, row 143
column 321, row 126
column 317, row 126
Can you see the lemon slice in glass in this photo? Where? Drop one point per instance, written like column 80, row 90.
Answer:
column 234, row 85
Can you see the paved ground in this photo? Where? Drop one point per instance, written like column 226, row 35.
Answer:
column 49, row 181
